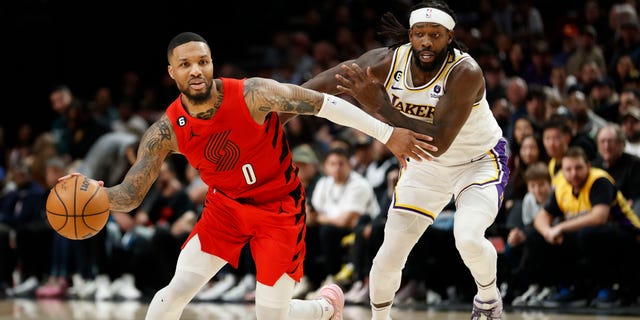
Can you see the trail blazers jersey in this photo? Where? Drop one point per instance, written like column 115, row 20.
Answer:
column 480, row 132
column 233, row 153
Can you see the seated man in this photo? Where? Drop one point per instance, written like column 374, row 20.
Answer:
column 593, row 246
column 343, row 200
column 623, row 167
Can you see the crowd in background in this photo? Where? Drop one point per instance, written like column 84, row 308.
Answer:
column 550, row 86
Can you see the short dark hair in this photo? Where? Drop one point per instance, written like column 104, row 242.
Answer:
column 337, row 151
column 537, row 171
column 558, row 121
column 576, row 152
column 181, row 39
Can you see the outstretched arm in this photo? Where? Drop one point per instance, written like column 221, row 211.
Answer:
column 266, row 95
column 464, row 87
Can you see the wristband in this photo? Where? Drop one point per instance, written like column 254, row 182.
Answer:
column 344, row 113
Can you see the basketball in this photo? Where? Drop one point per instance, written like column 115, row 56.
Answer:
column 77, row 208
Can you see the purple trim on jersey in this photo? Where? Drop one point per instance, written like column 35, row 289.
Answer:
column 500, row 153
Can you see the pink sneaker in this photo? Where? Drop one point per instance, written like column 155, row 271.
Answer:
column 333, row 293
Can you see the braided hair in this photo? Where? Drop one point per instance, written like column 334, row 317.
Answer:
column 393, row 30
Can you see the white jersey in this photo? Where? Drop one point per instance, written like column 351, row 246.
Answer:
column 480, row 132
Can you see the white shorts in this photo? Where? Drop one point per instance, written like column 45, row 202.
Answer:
column 426, row 187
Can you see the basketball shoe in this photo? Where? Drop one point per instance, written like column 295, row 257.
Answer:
column 334, row 295
column 489, row 310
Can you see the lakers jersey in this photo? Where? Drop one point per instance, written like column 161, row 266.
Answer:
column 480, row 132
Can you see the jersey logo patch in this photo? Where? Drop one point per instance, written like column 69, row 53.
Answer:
column 221, row 151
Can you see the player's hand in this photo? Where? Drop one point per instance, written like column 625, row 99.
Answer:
column 405, row 143
column 366, row 88
column 75, row 174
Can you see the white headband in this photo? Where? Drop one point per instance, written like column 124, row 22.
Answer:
column 432, row 15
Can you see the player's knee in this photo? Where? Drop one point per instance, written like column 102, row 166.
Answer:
column 468, row 245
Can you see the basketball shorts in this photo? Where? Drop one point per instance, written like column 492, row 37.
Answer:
column 426, row 187
column 275, row 232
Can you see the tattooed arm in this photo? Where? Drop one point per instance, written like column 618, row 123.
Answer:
column 265, row 95
column 156, row 143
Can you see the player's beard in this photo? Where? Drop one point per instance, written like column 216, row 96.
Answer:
column 199, row 97
column 430, row 66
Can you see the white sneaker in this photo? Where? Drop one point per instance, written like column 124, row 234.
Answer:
column 316, row 294
column 302, row 288
column 537, row 299
column 355, row 289
column 87, row 289
column 125, row 288
column 217, row 289
column 433, row 297
column 237, row 293
column 524, row 298
column 25, row 288
column 103, row 288
column 361, row 296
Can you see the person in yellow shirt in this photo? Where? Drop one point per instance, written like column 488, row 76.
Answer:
column 593, row 247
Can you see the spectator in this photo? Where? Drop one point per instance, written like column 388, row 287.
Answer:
column 531, row 151
column 623, row 167
column 631, row 129
column 604, row 99
column 61, row 98
column 343, row 199
column 588, row 122
column 129, row 120
column 520, row 223
column 23, row 230
column 556, row 136
column 587, row 50
column 594, row 218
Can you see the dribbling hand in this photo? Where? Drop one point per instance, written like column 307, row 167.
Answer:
column 100, row 182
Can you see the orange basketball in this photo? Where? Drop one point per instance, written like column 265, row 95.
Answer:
column 77, row 208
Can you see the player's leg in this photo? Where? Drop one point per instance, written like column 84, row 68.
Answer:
column 274, row 303
column 413, row 209
column 479, row 189
column 401, row 233
column 193, row 269
column 476, row 209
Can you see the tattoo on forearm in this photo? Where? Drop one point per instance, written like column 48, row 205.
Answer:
column 279, row 98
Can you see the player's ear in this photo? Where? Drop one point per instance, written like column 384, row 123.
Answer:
column 170, row 70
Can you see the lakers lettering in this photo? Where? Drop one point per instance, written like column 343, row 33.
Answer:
column 420, row 111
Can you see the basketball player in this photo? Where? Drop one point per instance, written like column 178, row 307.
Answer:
column 230, row 130
column 429, row 84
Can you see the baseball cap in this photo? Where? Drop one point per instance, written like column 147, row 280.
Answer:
column 305, row 154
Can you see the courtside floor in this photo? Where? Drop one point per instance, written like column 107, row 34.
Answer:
column 12, row 309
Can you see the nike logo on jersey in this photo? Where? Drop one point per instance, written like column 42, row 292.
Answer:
column 393, row 87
